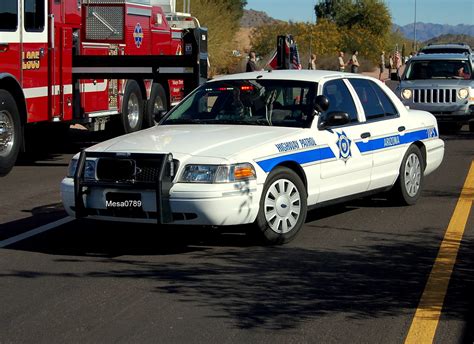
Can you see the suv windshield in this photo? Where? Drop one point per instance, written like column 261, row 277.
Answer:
column 439, row 69
column 250, row 102
column 445, row 51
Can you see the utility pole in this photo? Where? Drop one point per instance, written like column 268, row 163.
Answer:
column 414, row 32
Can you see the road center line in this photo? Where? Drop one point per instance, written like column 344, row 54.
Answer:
column 35, row 231
column 425, row 321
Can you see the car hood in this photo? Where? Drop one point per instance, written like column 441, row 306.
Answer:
column 221, row 141
column 435, row 83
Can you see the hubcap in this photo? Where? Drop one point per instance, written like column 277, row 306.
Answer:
column 7, row 137
column 412, row 175
column 133, row 110
column 282, row 206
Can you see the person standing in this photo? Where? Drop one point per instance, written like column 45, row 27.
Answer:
column 312, row 62
column 390, row 65
column 252, row 62
column 354, row 62
column 381, row 64
column 341, row 63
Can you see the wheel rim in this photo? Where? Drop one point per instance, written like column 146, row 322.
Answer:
column 158, row 105
column 7, row 137
column 282, row 206
column 133, row 110
column 412, row 175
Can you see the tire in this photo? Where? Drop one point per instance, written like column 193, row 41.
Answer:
column 407, row 188
column 157, row 102
column 10, row 132
column 283, row 207
column 132, row 108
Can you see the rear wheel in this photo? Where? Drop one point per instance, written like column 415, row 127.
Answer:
column 408, row 186
column 283, row 207
column 156, row 104
column 132, row 107
column 10, row 132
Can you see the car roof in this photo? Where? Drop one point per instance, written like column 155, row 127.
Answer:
column 299, row 75
column 446, row 45
column 425, row 57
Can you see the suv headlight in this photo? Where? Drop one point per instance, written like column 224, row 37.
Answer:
column 463, row 93
column 406, row 93
column 89, row 169
column 217, row 173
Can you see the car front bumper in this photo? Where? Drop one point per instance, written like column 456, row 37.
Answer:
column 190, row 204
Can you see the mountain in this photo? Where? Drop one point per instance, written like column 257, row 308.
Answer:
column 252, row 18
column 426, row 31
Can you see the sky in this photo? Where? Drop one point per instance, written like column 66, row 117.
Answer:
column 451, row 12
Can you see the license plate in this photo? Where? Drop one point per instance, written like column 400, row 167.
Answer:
column 123, row 201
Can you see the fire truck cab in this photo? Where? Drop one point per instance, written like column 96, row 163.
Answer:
column 88, row 61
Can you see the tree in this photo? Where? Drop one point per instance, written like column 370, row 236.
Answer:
column 221, row 17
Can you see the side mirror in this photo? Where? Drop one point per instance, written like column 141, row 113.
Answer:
column 157, row 116
column 334, row 119
column 321, row 103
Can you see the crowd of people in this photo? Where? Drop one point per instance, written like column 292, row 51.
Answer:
column 392, row 64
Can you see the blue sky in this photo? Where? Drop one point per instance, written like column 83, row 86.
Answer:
column 403, row 11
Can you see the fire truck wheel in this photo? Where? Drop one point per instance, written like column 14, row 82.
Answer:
column 155, row 104
column 132, row 107
column 10, row 132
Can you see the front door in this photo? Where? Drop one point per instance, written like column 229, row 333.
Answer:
column 34, row 58
column 348, row 172
column 10, row 47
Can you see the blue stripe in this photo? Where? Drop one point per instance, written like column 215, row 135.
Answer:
column 392, row 141
column 305, row 157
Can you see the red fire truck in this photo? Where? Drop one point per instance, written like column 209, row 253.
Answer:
column 88, row 61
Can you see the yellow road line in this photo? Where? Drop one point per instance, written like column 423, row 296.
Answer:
column 423, row 327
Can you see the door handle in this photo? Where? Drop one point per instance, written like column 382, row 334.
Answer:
column 4, row 47
column 364, row 135
column 402, row 128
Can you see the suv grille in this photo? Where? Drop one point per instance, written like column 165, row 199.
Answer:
column 444, row 95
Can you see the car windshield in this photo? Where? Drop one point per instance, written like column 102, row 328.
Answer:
column 445, row 51
column 439, row 69
column 282, row 103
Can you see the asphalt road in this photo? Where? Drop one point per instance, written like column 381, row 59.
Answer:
column 355, row 274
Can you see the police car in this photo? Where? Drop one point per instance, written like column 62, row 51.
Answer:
column 261, row 148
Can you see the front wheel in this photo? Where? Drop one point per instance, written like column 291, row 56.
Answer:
column 408, row 186
column 10, row 132
column 283, row 207
column 132, row 107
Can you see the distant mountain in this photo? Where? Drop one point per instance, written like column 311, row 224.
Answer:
column 426, row 31
column 252, row 18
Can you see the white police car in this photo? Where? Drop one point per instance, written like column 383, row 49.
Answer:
column 261, row 148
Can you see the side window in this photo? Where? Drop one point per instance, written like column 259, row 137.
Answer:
column 340, row 99
column 34, row 15
column 370, row 102
column 8, row 15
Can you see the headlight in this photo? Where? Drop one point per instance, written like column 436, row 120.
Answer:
column 463, row 93
column 89, row 169
column 407, row 93
column 217, row 173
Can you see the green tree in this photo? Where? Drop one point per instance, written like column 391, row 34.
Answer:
column 221, row 17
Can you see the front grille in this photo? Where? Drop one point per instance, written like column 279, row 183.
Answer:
column 130, row 170
column 443, row 95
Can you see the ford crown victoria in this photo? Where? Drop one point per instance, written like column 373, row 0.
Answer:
column 259, row 148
